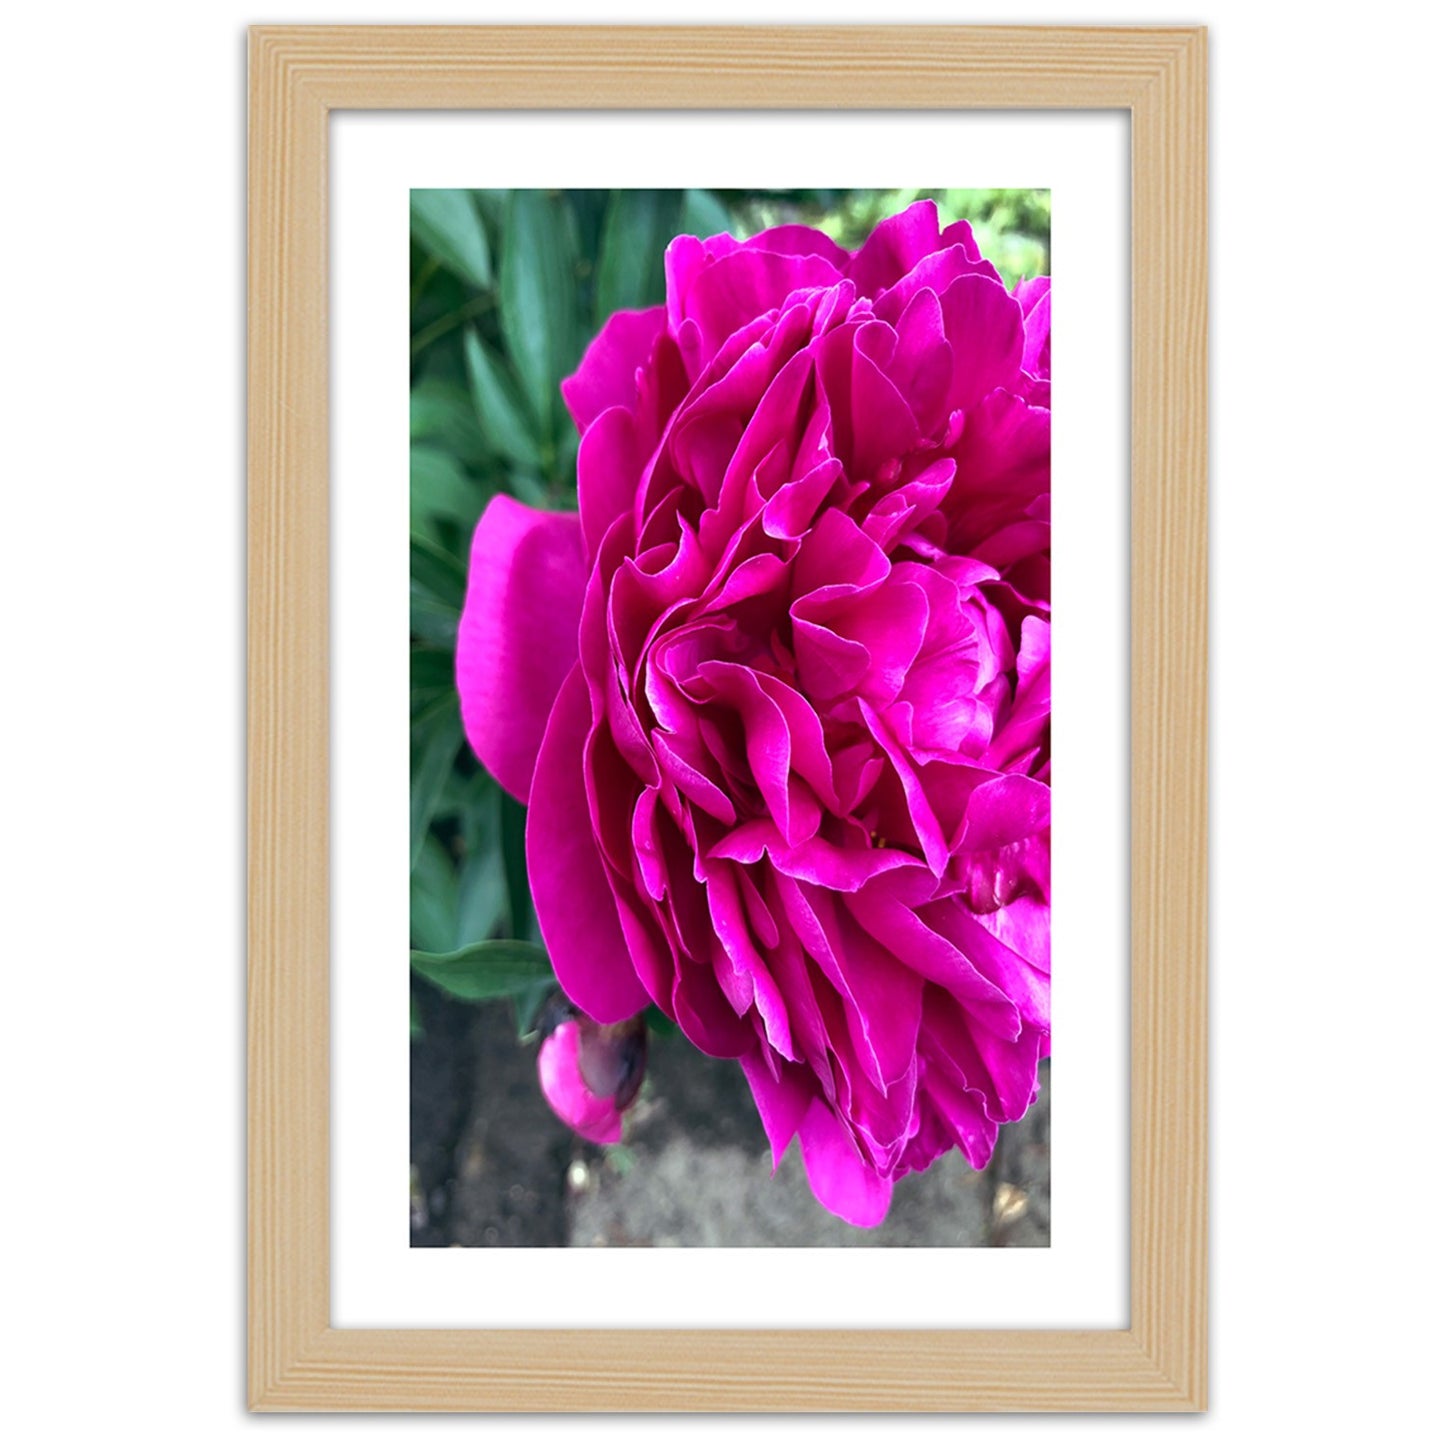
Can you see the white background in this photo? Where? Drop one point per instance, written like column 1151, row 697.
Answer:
column 1082, row 1279
column 122, row 790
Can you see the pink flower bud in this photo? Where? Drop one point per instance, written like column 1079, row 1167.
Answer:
column 590, row 1073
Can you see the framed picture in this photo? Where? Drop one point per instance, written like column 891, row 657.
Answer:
column 832, row 200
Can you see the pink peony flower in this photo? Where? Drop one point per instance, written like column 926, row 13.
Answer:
column 778, row 695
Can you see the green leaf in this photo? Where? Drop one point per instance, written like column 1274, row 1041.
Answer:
column 659, row 1023
column 629, row 266
column 481, row 896
column 531, row 490
column 539, row 300
column 446, row 225
column 437, row 572
column 432, row 670
column 500, row 968
column 567, row 461
column 504, row 422
column 475, row 799
column 514, row 856
column 427, row 703
column 528, row 1004
column 431, row 766
column 493, row 206
column 703, row 215
column 442, row 413
column 418, row 1027
column 432, row 621
column 433, row 898
column 442, row 491
column 433, row 684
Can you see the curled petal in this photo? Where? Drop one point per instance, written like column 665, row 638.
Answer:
column 607, row 376
column 609, row 467
column 837, row 1172
column 896, row 245
column 570, row 890
column 518, row 634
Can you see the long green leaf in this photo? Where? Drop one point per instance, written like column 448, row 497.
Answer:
column 446, row 225
column 437, row 571
column 432, row 621
column 433, row 683
column 433, row 898
column 703, row 215
column 514, row 860
column 538, row 286
column 499, row 968
column 476, row 800
column 442, row 412
column 442, row 491
column 429, row 773
column 532, row 491
column 481, row 896
column 528, row 1004
column 629, row 266
column 504, row 422
column 431, row 670
column 493, row 206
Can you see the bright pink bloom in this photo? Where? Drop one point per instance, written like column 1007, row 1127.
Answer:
column 778, row 696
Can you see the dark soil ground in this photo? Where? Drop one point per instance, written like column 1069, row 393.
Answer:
column 491, row 1164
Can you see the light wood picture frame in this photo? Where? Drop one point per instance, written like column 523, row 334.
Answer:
column 297, row 1360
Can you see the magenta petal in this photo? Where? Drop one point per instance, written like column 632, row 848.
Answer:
column 741, row 971
column 1035, row 298
column 897, row 244
column 890, row 625
column 1003, row 467
column 609, row 466
column 608, row 373
column 574, row 904
column 1024, row 982
column 705, row 1016
column 961, row 1111
column 872, row 423
column 1004, row 1071
column 800, row 241
column 737, row 288
column 1025, row 927
column 985, row 329
column 922, row 365
column 935, row 958
column 769, row 745
column 881, row 996
column 781, row 1101
column 960, row 233
column 518, row 633
column 837, row 1173
column 1004, row 810
column 564, row 1088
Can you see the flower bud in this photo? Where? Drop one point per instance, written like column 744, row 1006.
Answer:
column 590, row 1073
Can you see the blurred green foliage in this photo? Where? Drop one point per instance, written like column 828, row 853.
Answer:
column 507, row 290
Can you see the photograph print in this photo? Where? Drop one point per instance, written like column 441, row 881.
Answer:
column 730, row 718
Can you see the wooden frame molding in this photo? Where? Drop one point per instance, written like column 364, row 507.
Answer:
column 297, row 1361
